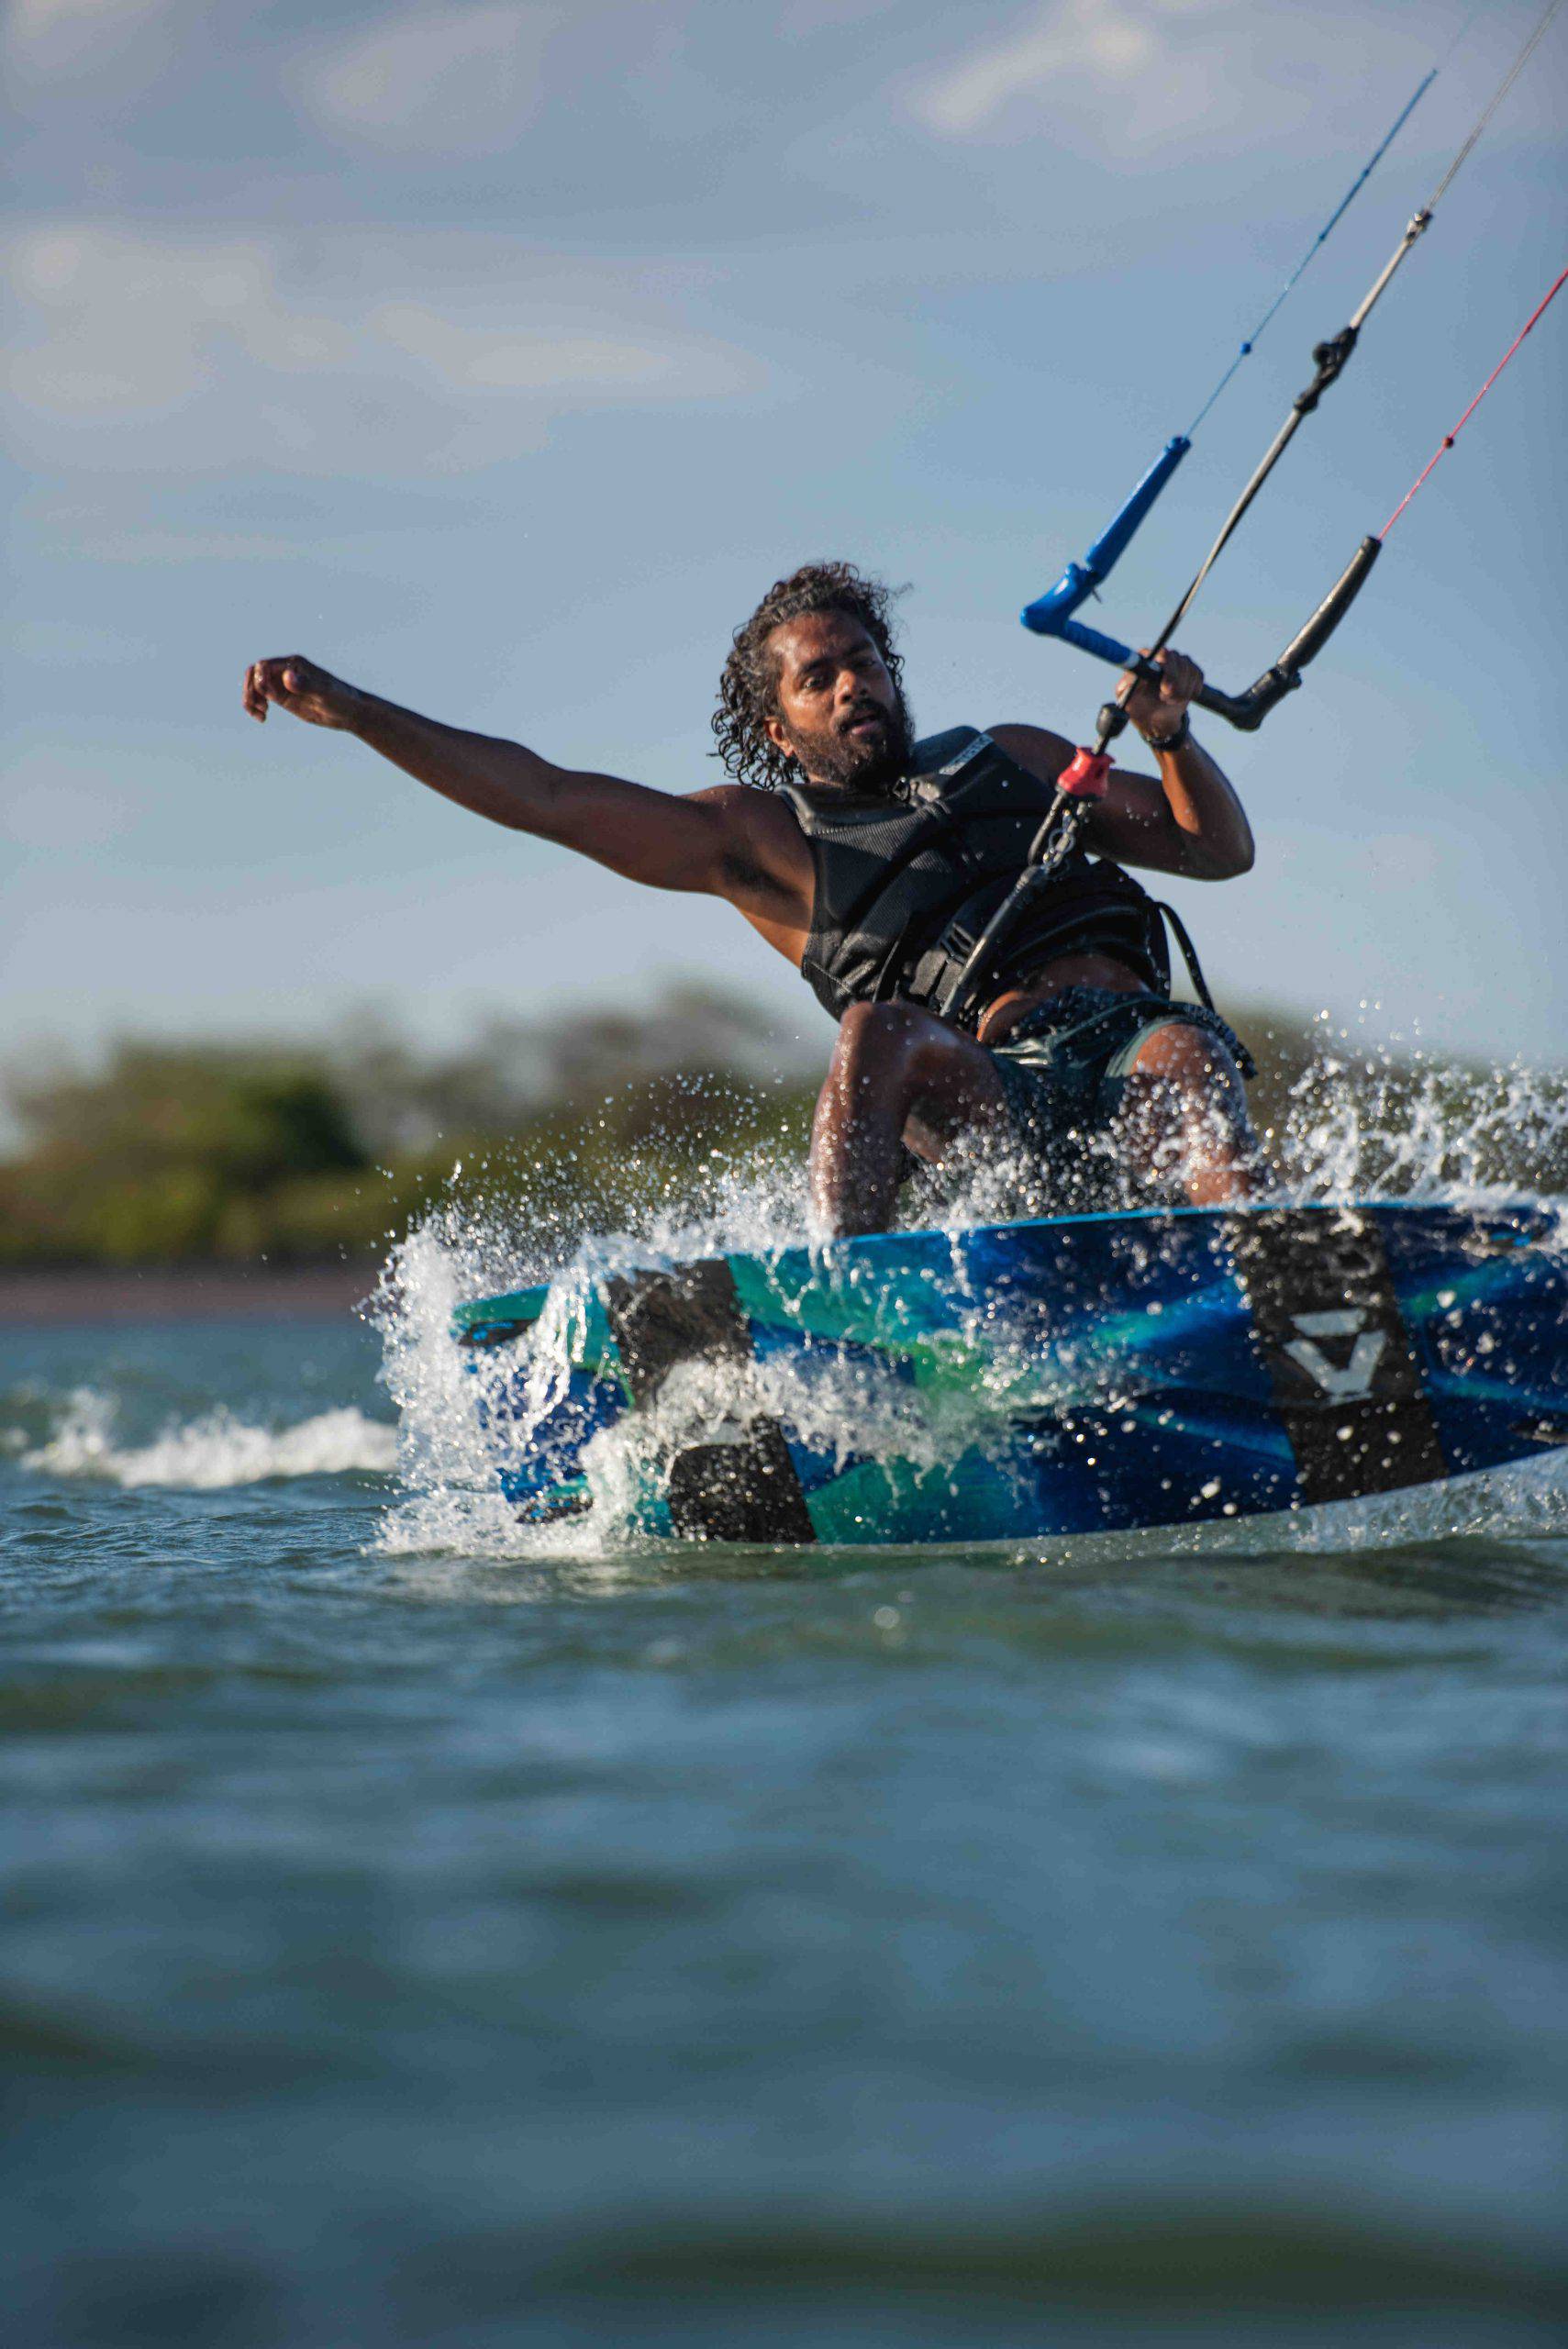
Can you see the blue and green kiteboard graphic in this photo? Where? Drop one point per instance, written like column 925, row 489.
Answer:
column 1072, row 1375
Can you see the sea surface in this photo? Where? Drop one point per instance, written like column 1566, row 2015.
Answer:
column 408, row 1941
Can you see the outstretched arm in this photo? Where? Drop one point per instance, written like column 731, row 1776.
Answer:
column 654, row 837
column 1190, row 822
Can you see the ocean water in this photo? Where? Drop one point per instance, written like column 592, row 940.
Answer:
column 415, row 1933
column 403, row 1945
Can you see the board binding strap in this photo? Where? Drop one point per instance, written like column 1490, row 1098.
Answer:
column 1072, row 1375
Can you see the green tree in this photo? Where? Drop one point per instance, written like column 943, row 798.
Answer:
column 170, row 1151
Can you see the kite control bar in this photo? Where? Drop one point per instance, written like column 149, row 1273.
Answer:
column 1086, row 775
column 1053, row 614
column 1249, row 709
column 1246, row 710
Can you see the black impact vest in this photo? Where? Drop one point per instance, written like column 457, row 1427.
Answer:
column 907, row 883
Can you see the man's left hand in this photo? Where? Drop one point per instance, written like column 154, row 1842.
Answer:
column 1157, row 710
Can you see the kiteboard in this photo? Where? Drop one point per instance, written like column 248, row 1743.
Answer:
column 1073, row 1376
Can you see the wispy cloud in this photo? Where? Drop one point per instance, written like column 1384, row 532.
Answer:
column 154, row 350
column 1101, row 38
column 1134, row 79
column 501, row 360
column 447, row 80
column 46, row 37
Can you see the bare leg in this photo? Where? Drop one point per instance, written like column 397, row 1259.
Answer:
column 1182, row 1120
column 896, row 1075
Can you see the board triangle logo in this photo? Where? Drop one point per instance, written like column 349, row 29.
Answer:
column 1350, row 1378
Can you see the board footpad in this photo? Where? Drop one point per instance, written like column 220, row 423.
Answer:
column 1346, row 1379
column 747, row 1491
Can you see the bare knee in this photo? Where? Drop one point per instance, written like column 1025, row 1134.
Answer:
column 873, row 1030
column 896, row 1061
column 1184, row 1084
column 883, row 1039
column 1187, row 1066
column 1183, row 1117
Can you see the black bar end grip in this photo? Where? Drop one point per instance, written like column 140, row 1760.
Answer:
column 1332, row 610
column 1247, row 711
column 1286, row 675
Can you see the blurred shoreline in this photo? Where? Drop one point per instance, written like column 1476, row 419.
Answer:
column 181, row 1293
column 203, row 1181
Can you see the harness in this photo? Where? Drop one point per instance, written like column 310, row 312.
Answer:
column 907, row 884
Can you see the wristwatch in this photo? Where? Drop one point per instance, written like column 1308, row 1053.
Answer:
column 1172, row 741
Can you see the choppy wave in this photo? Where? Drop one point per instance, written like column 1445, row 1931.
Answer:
column 208, row 1454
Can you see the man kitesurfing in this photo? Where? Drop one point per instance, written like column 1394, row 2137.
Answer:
column 964, row 909
column 960, row 905
column 873, row 862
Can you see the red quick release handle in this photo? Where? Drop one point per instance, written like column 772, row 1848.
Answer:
column 1086, row 776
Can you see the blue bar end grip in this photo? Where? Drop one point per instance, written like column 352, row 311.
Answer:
column 1049, row 613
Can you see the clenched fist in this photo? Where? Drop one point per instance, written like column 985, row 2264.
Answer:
column 1157, row 710
column 304, row 690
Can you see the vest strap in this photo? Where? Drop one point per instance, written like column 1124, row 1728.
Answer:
column 1189, row 951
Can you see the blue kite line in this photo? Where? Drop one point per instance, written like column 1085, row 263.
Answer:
column 1321, row 238
column 1049, row 613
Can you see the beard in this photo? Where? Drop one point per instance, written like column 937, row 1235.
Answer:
column 869, row 763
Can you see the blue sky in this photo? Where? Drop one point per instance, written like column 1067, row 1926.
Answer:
column 500, row 355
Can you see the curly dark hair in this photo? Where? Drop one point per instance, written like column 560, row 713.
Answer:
column 748, row 689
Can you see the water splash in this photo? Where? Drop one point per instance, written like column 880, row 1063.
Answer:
column 465, row 1249
column 1360, row 1120
column 1367, row 1118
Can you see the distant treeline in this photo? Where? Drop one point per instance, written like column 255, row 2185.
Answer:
column 173, row 1154
column 230, row 1154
